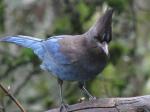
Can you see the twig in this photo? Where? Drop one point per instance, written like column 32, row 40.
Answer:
column 13, row 98
column 25, row 81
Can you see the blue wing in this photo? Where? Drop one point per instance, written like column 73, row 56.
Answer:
column 26, row 41
column 55, row 60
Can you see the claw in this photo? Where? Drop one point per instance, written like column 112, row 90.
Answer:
column 64, row 108
column 92, row 98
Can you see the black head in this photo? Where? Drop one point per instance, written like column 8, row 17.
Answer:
column 102, row 30
column 103, row 27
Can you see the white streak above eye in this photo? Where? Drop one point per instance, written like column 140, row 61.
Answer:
column 105, row 48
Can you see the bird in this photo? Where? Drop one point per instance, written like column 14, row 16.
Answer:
column 72, row 57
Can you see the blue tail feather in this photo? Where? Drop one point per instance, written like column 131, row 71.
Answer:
column 26, row 41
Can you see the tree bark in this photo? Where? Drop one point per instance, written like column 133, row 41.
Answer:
column 131, row 104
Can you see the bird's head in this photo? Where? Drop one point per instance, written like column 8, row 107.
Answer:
column 101, row 32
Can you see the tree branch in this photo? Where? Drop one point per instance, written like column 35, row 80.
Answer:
column 131, row 104
column 12, row 98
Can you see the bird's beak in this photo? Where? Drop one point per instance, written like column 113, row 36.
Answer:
column 105, row 48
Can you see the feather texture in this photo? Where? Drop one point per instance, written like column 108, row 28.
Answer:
column 71, row 57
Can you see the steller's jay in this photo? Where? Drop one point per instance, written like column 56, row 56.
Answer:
column 72, row 57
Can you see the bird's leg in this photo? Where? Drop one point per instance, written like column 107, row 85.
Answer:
column 64, row 107
column 85, row 91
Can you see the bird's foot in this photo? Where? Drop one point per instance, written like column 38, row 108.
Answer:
column 64, row 107
column 92, row 98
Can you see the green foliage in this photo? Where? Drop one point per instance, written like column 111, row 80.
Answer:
column 27, row 54
column 62, row 25
column 1, row 16
column 83, row 9
column 117, row 50
column 119, row 5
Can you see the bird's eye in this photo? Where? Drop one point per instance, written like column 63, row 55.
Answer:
column 105, row 37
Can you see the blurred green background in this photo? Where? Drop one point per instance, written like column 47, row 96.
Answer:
column 127, row 73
